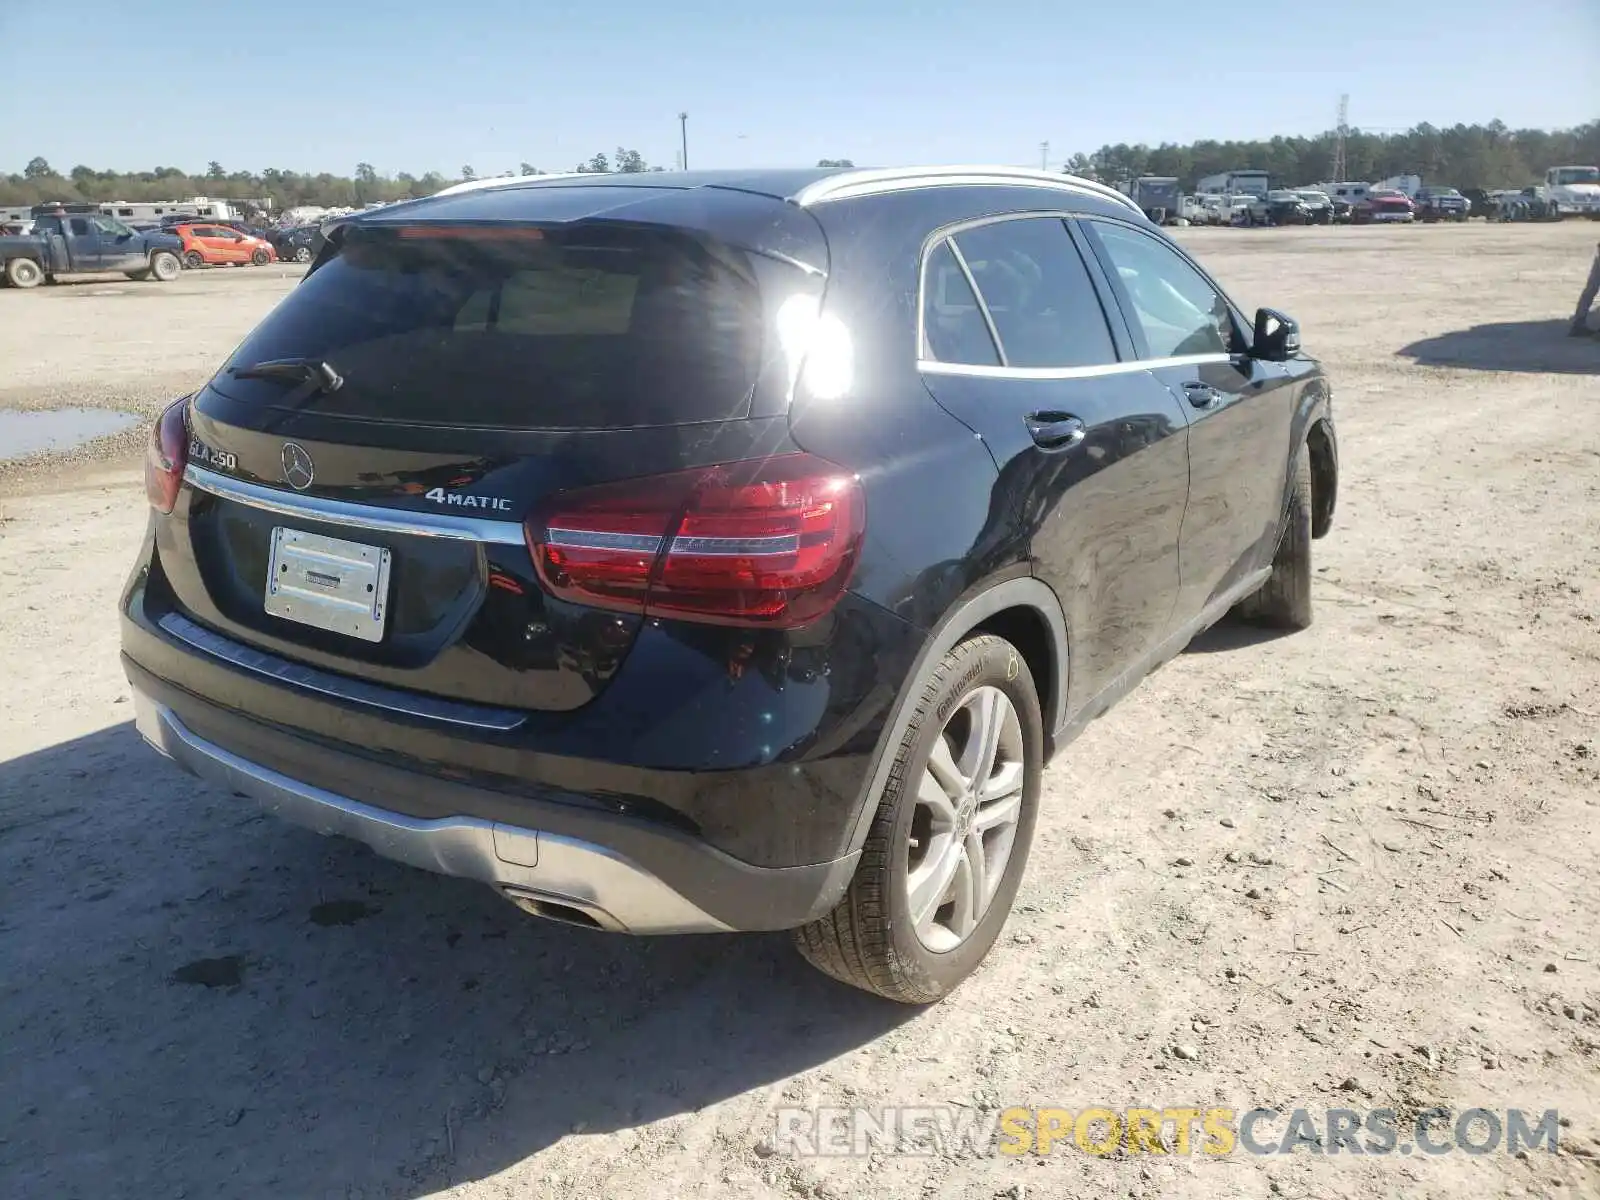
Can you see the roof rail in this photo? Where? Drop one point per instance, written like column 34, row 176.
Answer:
column 893, row 179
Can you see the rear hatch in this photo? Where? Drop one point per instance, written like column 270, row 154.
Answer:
column 360, row 469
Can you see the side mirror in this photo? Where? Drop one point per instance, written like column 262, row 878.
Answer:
column 1277, row 336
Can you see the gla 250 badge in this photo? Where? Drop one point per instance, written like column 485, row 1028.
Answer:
column 467, row 500
column 201, row 453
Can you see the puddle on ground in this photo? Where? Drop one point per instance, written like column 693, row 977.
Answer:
column 212, row 972
column 56, row 429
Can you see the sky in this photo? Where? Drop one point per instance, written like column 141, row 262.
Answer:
column 419, row 85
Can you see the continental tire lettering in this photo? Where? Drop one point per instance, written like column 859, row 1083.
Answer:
column 950, row 702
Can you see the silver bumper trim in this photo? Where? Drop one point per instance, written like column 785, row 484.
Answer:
column 353, row 515
column 612, row 891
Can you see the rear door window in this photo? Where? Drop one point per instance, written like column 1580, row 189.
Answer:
column 1038, row 293
column 518, row 327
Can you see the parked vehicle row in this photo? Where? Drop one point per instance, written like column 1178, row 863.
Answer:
column 65, row 243
column 297, row 243
column 62, row 240
column 1374, row 205
column 1402, row 199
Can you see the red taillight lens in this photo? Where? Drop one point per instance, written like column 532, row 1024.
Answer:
column 769, row 543
column 165, row 456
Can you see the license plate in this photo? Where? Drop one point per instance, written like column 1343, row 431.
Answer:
column 328, row 583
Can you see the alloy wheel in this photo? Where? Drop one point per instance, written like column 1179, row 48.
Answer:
column 964, row 824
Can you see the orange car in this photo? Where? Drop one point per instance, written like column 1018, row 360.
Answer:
column 217, row 244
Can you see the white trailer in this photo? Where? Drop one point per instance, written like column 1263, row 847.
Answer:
column 1348, row 192
column 1241, row 183
column 154, row 210
column 1405, row 184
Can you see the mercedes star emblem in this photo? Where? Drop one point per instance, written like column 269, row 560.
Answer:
column 298, row 471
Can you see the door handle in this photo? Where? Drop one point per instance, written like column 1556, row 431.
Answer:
column 1055, row 430
column 1202, row 395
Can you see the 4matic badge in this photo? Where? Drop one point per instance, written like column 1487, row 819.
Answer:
column 467, row 500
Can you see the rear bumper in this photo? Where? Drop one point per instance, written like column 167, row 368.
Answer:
column 593, row 868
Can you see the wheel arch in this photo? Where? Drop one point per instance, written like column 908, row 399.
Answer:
column 1025, row 612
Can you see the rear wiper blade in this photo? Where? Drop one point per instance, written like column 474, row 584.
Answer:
column 293, row 370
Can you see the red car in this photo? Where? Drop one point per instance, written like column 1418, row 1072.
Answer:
column 1383, row 206
column 205, row 245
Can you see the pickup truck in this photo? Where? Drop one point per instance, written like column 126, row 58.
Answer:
column 82, row 243
column 1278, row 207
column 1441, row 204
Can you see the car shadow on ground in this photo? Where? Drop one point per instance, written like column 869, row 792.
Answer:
column 201, row 1000
column 1535, row 346
column 1231, row 633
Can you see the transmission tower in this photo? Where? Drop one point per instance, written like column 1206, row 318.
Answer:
column 1341, row 132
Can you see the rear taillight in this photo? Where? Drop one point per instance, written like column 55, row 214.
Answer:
column 769, row 543
column 165, row 456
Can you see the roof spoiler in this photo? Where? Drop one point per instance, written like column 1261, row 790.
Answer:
column 335, row 224
column 473, row 185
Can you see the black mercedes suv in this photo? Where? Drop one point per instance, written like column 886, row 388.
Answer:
column 719, row 551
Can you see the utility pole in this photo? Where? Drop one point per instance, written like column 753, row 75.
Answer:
column 1044, row 156
column 1341, row 132
column 683, row 134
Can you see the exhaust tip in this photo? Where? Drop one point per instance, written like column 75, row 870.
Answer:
column 556, row 910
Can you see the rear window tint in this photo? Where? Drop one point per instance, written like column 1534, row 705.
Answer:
column 520, row 328
column 1038, row 293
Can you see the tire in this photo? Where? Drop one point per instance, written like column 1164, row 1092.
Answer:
column 260, row 258
column 193, row 260
column 302, row 254
column 24, row 273
column 872, row 939
column 1284, row 601
column 164, row 266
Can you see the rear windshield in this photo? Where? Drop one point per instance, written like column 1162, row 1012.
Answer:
column 517, row 327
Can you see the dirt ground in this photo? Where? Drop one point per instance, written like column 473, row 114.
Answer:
column 1355, row 867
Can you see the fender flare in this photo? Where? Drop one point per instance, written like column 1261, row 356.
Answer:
column 963, row 617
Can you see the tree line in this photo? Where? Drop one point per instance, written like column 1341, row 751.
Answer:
column 40, row 182
column 1463, row 156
